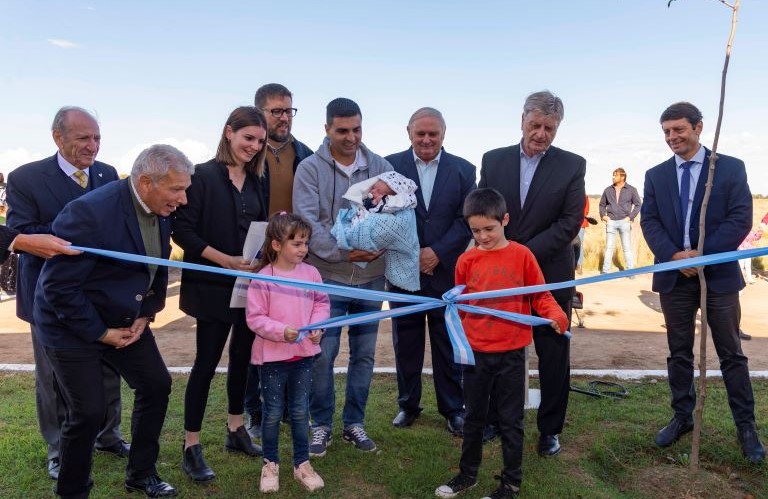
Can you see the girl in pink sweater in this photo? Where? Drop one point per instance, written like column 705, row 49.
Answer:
column 275, row 313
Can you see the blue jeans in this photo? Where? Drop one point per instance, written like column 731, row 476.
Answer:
column 275, row 377
column 623, row 228
column 362, row 349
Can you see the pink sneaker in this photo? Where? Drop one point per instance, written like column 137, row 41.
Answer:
column 307, row 477
column 270, row 477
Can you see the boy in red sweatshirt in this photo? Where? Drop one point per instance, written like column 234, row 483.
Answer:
column 498, row 344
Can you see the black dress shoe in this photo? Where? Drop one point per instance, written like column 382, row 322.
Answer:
column 152, row 486
column 456, row 425
column 404, row 419
column 549, row 445
column 119, row 449
column 53, row 468
column 744, row 336
column 750, row 444
column 240, row 441
column 490, row 433
column 194, row 465
column 672, row 432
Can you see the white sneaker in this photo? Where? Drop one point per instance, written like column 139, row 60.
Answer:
column 270, row 477
column 308, row 477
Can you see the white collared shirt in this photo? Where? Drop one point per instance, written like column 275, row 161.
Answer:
column 695, row 169
column 427, row 175
column 138, row 198
column 528, row 167
column 69, row 169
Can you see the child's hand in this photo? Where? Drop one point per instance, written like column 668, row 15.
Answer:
column 315, row 336
column 555, row 326
column 290, row 334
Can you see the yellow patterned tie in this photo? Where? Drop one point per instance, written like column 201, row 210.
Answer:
column 81, row 177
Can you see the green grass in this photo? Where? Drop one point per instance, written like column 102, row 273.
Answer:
column 608, row 451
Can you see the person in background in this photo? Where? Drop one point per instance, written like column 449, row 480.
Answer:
column 619, row 205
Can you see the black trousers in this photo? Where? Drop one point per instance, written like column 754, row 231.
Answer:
column 409, row 340
column 554, row 352
column 79, row 375
column 723, row 313
column 211, row 338
column 501, row 376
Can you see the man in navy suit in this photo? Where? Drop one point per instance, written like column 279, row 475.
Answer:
column 544, row 190
column 444, row 181
column 92, row 309
column 37, row 192
column 674, row 191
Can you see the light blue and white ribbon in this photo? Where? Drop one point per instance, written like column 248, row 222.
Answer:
column 451, row 300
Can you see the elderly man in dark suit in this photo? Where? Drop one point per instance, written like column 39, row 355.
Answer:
column 544, row 190
column 673, row 194
column 444, row 181
column 91, row 309
column 37, row 192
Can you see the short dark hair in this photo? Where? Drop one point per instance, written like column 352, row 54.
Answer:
column 680, row 110
column 485, row 202
column 341, row 107
column 270, row 90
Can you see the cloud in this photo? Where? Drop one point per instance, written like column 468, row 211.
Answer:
column 63, row 44
column 197, row 152
column 10, row 159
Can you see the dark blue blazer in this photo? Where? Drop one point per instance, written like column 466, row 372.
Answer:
column 553, row 211
column 441, row 225
column 729, row 220
column 36, row 193
column 79, row 297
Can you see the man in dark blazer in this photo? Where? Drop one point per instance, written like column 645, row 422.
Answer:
column 673, row 194
column 91, row 309
column 37, row 192
column 544, row 190
column 444, row 181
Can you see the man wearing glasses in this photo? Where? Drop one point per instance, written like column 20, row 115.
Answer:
column 284, row 153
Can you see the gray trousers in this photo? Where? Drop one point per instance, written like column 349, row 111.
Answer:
column 51, row 410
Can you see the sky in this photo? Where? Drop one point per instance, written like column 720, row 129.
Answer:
column 171, row 72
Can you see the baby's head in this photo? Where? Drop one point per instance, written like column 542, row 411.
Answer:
column 379, row 190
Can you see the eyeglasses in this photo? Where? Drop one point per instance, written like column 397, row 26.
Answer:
column 277, row 112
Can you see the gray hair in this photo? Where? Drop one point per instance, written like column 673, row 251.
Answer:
column 61, row 117
column 546, row 103
column 156, row 160
column 427, row 112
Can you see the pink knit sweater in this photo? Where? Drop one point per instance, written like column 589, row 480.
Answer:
column 271, row 307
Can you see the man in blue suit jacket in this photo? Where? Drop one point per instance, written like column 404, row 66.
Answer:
column 37, row 192
column 444, row 181
column 91, row 309
column 670, row 223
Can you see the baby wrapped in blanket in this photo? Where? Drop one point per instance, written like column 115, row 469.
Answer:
column 382, row 217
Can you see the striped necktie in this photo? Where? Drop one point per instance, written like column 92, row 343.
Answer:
column 81, row 178
column 685, row 192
